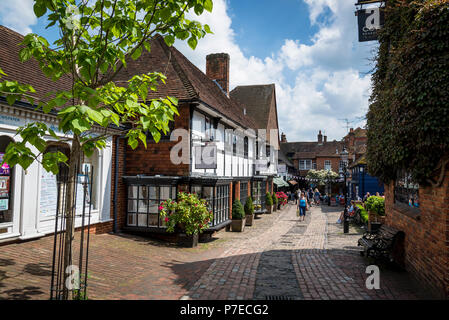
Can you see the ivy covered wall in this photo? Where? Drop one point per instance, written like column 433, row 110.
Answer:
column 408, row 118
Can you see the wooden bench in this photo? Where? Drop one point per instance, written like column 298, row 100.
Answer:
column 379, row 244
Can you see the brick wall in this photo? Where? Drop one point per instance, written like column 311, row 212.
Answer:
column 217, row 68
column 155, row 159
column 426, row 244
column 121, row 186
column 335, row 163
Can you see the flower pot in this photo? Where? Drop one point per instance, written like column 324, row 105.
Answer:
column 188, row 241
column 238, row 225
column 275, row 208
column 269, row 209
column 279, row 206
column 249, row 219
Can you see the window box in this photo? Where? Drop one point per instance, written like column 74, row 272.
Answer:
column 238, row 225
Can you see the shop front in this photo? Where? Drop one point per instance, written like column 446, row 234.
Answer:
column 28, row 198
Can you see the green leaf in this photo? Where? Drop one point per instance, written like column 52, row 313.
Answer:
column 208, row 5
column 39, row 8
column 169, row 40
column 136, row 54
column 192, row 42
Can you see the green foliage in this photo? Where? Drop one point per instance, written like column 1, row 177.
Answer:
column 376, row 204
column 363, row 213
column 268, row 199
column 237, row 210
column 97, row 38
column 275, row 199
column 322, row 176
column 408, row 117
column 189, row 211
column 249, row 207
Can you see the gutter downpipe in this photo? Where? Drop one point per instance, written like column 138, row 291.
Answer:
column 114, row 201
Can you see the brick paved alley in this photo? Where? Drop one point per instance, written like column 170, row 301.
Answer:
column 278, row 257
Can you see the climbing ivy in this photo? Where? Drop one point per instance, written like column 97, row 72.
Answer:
column 408, row 118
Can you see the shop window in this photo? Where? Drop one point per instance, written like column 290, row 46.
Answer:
column 327, row 165
column 6, row 184
column 52, row 186
column 91, row 168
column 406, row 191
column 143, row 204
column 218, row 203
column 243, row 192
column 258, row 193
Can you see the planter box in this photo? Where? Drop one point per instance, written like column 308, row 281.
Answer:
column 275, row 208
column 269, row 209
column 238, row 225
column 187, row 241
column 249, row 219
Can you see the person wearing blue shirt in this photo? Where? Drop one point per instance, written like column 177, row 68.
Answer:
column 302, row 205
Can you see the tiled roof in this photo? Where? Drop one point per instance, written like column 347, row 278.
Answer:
column 184, row 80
column 25, row 72
column 257, row 100
column 311, row 150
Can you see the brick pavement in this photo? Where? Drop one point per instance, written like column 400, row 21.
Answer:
column 278, row 256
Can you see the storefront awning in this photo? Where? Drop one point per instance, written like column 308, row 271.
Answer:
column 292, row 182
column 280, row 182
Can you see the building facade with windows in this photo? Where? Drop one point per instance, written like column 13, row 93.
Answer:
column 317, row 155
column 28, row 198
column 211, row 124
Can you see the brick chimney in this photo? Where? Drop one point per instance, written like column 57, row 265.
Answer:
column 283, row 137
column 217, row 68
column 320, row 137
column 325, row 139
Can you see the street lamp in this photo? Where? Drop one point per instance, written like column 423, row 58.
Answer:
column 344, row 157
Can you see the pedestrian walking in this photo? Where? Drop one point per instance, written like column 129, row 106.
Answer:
column 296, row 196
column 302, row 207
column 317, row 196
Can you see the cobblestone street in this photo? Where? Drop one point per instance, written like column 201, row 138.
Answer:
column 277, row 258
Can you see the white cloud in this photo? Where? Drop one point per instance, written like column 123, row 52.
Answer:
column 17, row 15
column 327, row 84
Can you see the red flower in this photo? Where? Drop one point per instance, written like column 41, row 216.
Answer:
column 166, row 219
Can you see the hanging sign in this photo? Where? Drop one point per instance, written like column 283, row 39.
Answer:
column 370, row 20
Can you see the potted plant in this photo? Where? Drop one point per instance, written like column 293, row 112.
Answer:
column 238, row 216
column 269, row 202
column 375, row 206
column 282, row 197
column 275, row 201
column 188, row 216
column 249, row 212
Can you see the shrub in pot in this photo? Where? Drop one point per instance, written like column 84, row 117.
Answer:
column 375, row 206
column 269, row 202
column 189, row 216
column 238, row 216
column 249, row 212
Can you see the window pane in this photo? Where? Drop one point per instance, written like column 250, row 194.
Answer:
column 142, row 220
column 153, row 192
column 152, row 219
column 164, row 192
column 143, row 206
column 131, row 219
column 132, row 205
column 143, row 192
column 132, row 192
column 153, row 206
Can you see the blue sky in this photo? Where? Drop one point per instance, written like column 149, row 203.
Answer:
column 308, row 48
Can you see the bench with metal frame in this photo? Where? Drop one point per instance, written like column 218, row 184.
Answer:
column 380, row 243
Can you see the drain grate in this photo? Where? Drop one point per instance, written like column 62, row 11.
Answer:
column 278, row 298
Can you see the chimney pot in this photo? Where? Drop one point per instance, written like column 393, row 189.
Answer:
column 217, row 68
column 325, row 139
column 320, row 137
column 283, row 137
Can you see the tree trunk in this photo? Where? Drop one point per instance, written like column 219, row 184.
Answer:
column 70, row 206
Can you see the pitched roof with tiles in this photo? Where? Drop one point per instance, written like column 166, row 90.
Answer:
column 258, row 101
column 27, row 72
column 184, row 80
column 311, row 150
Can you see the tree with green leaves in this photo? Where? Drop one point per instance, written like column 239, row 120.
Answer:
column 96, row 38
column 322, row 176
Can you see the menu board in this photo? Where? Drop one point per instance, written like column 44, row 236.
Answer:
column 4, row 184
column 49, row 193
